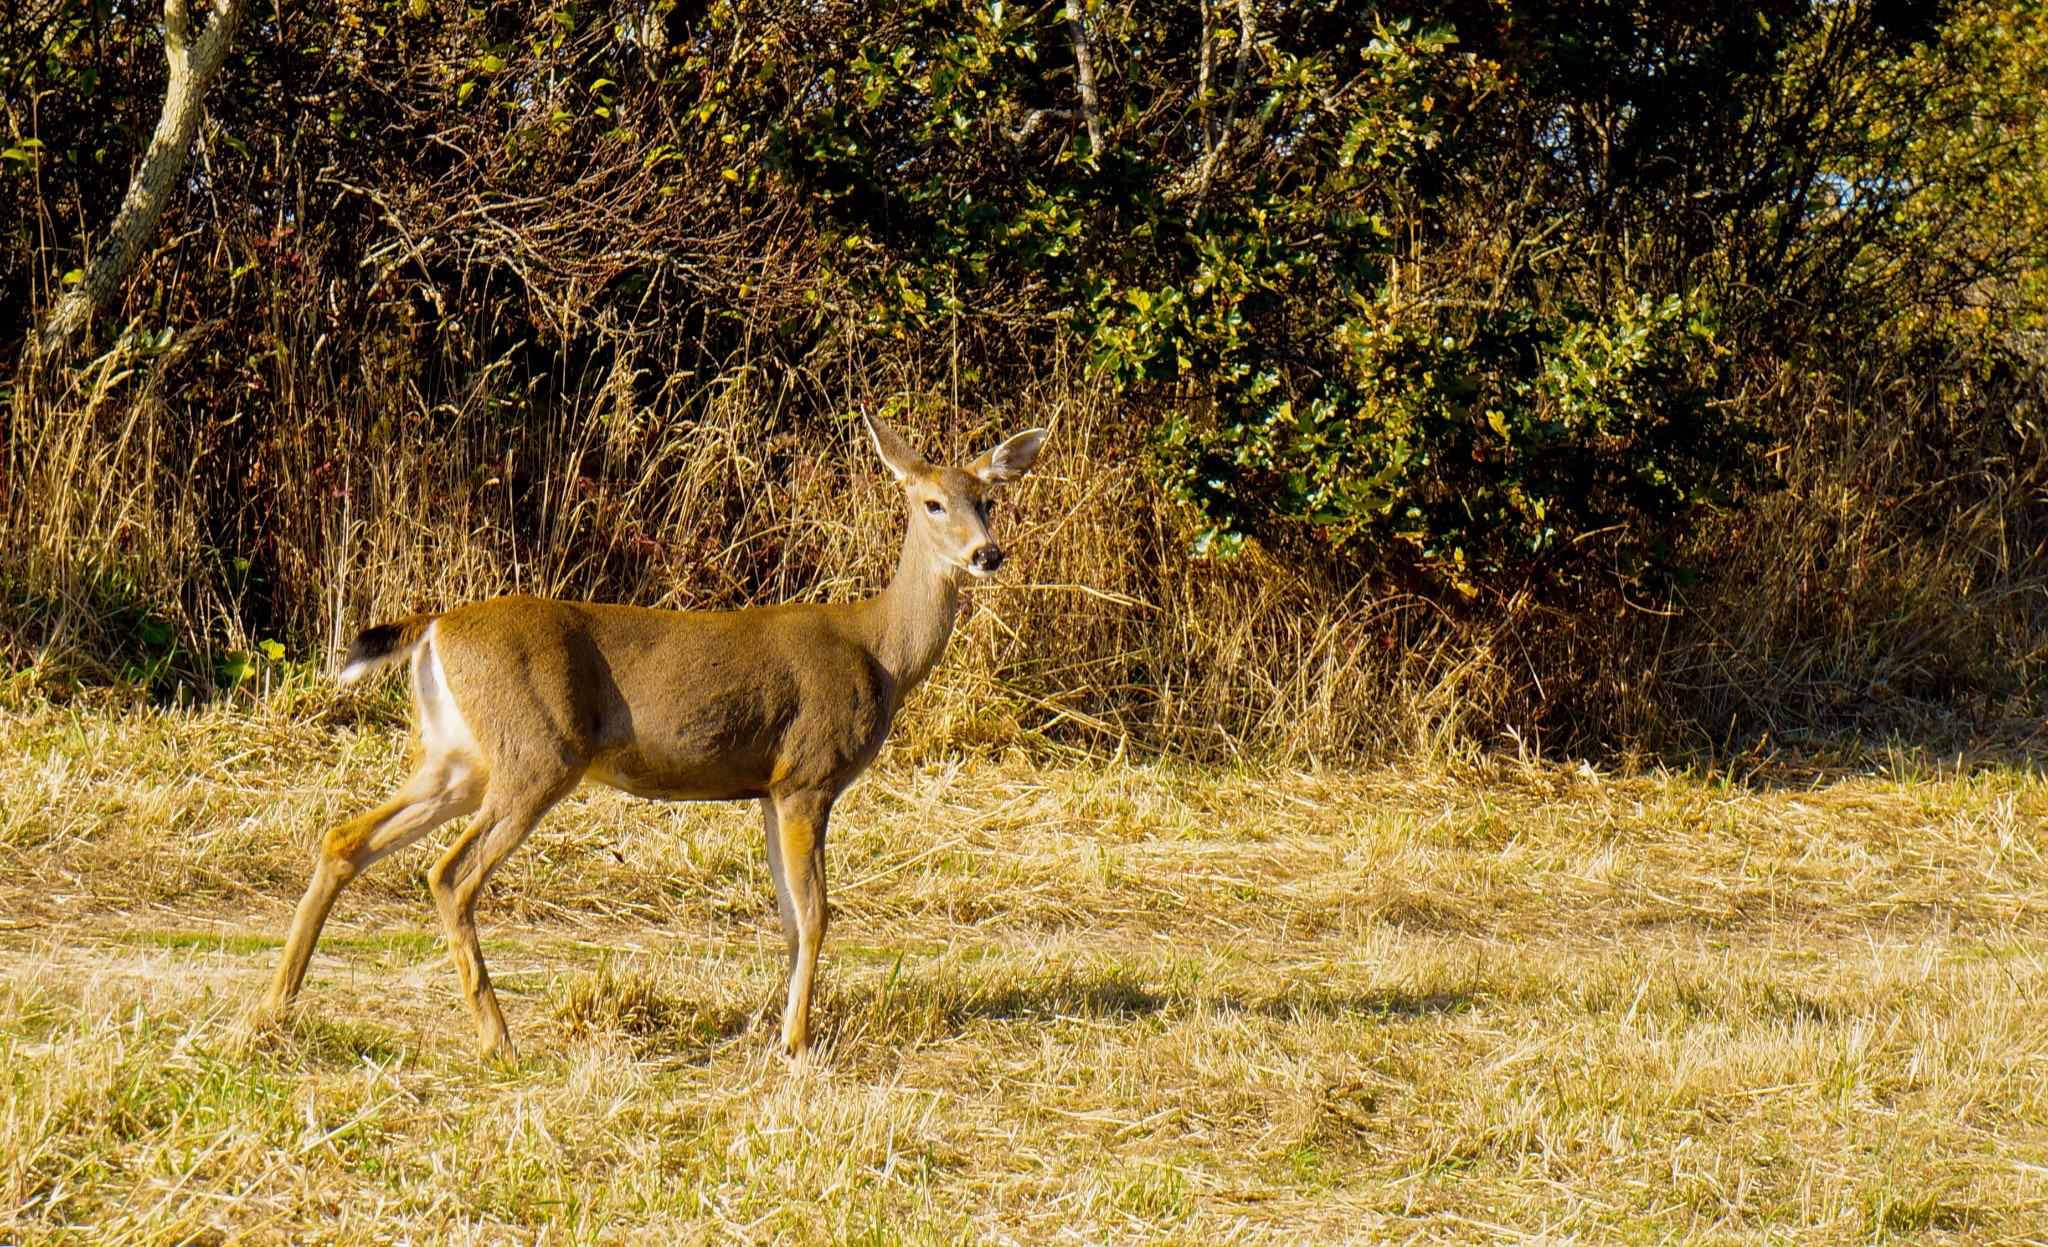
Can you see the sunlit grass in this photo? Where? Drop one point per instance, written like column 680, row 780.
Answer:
column 1065, row 1001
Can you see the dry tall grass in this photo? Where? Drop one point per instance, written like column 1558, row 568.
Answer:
column 1066, row 1002
column 1892, row 582
column 1105, row 634
column 1902, row 563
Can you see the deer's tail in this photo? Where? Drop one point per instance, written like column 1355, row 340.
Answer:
column 384, row 644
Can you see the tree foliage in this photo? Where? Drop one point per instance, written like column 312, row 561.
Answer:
column 1466, row 292
column 1486, row 297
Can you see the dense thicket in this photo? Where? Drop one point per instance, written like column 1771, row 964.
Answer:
column 1584, row 366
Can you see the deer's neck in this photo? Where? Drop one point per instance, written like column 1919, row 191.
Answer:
column 912, row 619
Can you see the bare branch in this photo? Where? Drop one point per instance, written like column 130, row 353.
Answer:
column 1084, row 76
column 1247, row 35
column 1202, row 82
column 1032, row 121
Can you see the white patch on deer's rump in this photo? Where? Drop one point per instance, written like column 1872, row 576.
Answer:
column 443, row 730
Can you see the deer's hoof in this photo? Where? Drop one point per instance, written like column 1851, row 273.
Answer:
column 255, row 1028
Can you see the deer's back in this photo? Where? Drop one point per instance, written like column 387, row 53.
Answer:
column 687, row 705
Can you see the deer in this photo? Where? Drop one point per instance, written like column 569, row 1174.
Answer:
column 518, row 700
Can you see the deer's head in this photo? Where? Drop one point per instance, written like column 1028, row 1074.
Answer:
column 949, row 506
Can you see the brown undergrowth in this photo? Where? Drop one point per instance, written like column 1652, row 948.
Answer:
column 1476, row 1000
column 1889, row 586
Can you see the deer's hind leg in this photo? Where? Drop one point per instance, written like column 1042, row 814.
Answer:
column 508, row 814
column 441, row 789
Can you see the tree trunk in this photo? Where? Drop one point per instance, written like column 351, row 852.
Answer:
column 193, row 66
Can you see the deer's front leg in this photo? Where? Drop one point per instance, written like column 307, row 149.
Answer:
column 784, row 908
column 796, row 829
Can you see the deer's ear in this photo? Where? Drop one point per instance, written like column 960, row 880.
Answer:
column 889, row 444
column 1010, row 460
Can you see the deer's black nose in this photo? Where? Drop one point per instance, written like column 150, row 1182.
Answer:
column 985, row 559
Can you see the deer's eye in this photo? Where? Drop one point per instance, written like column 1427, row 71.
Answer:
column 934, row 507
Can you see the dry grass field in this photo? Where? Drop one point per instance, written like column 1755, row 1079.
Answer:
column 1069, row 1001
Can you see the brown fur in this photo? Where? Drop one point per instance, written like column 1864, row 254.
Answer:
column 520, row 699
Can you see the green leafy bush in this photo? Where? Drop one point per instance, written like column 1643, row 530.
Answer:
column 1466, row 295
